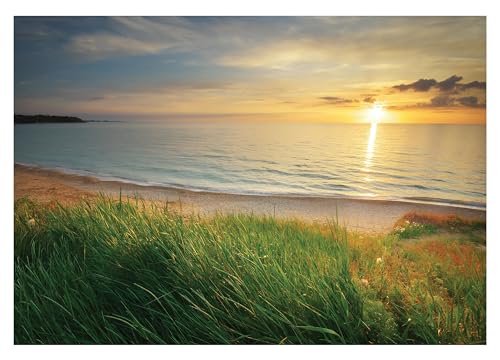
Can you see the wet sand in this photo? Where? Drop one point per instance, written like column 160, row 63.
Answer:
column 375, row 216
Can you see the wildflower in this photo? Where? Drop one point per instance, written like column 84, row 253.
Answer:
column 364, row 282
column 379, row 260
column 31, row 222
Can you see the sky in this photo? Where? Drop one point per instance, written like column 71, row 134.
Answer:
column 317, row 69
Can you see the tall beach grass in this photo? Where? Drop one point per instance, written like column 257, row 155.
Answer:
column 115, row 272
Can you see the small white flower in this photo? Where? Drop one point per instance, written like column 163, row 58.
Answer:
column 379, row 260
column 31, row 222
column 365, row 282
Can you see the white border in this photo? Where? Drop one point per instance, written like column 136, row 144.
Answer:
column 228, row 7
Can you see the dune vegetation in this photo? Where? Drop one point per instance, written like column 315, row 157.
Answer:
column 130, row 272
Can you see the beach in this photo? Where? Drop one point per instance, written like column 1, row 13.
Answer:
column 372, row 216
column 274, row 180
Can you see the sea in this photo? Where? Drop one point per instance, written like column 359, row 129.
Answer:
column 440, row 164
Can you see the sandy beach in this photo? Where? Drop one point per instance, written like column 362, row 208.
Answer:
column 359, row 215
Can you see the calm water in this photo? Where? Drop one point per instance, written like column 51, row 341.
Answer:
column 444, row 163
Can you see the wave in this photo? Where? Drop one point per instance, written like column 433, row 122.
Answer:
column 437, row 201
column 308, row 192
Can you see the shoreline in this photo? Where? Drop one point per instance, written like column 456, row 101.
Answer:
column 60, row 171
column 365, row 215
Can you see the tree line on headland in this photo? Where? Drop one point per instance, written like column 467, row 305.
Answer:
column 32, row 119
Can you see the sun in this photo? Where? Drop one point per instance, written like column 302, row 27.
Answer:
column 376, row 113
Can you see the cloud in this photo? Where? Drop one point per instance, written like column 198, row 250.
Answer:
column 451, row 84
column 442, row 100
column 419, row 85
column 445, row 101
column 369, row 99
column 473, row 85
column 335, row 100
column 281, row 55
column 470, row 101
column 106, row 45
column 133, row 36
column 375, row 44
column 97, row 98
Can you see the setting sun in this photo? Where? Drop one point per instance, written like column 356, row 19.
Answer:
column 376, row 113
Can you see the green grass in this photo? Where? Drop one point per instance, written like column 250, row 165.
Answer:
column 414, row 225
column 411, row 230
column 108, row 272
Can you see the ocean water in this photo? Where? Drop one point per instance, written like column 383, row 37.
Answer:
column 424, row 163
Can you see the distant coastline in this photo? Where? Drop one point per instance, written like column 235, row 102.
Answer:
column 42, row 119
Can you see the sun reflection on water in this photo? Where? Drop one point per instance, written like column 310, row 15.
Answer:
column 370, row 148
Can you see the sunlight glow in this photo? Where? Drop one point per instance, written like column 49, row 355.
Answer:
column 376, row 113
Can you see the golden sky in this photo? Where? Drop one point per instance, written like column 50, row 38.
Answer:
column 326, row 69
